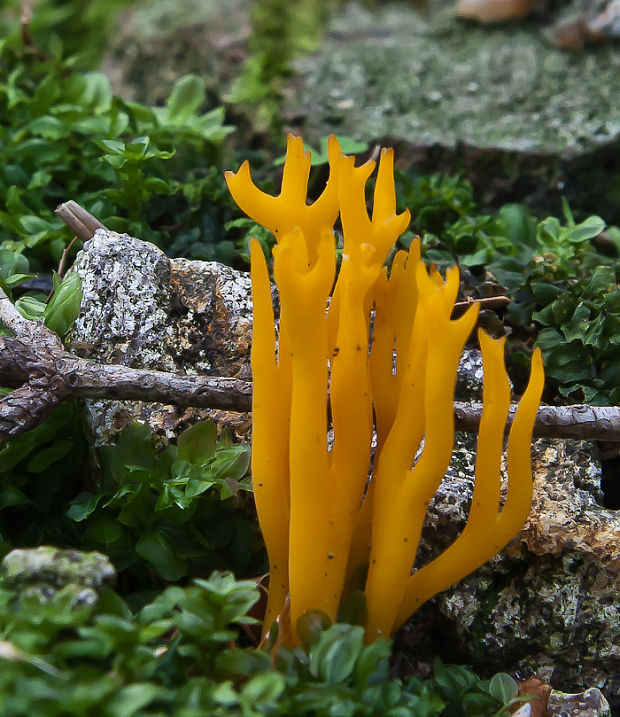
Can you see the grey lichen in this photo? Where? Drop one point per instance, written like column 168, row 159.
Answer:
column 144, row 310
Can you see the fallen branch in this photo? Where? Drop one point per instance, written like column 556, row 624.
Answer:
column 35, row 363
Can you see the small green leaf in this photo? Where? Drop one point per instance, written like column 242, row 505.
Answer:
column 16, row 279
column 243, row 662
column 197, row 443
column 373, row 664
column 588, row 229
column 83, row 506
column 503, row 688
column 264, row 688
column 333, row 656
column 186, row 97
column 30, row 308
column 114, row 146
column 159, row 186
column 12, row 262
column 104, row 530
column 48, row 456
column 97, row 93
column 156, row 548
column 49, row 127
column 64, row 306
column 131, row 699
column 137, row 148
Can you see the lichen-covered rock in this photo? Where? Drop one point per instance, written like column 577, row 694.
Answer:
column 46, row 571
column 591, row 703
column 144, row 310
column 549, row 604
column 523, row 120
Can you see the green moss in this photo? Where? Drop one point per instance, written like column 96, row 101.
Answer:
column 392, row 71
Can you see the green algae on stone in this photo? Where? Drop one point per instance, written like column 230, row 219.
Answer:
column 56, row 568
column 392, row 72
column 521, row 119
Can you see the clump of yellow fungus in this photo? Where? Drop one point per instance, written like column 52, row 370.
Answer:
column 364, row 353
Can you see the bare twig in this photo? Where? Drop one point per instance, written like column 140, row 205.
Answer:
column 83, row 224
column 65, row 256
column 35, row 362
column 580, row 421
column 490, row 302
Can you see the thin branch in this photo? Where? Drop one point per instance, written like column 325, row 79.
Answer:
column 35, row 363
column 81, row 222
column 65, row 255
column 490, row 302
column 578, row 421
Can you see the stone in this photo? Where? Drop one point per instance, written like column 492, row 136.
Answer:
column 590, row 703
column 548, row 605
column 48, row 571
column 523, row 711
column 144, row 310
column 522, row 120
column 158, row 41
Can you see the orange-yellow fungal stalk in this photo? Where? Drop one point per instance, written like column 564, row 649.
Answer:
column 361, row 355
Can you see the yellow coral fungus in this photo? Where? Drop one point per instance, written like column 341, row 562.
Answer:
column 361, row 355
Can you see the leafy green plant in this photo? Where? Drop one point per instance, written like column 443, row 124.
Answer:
column 182, row 654
column 161, row 513
column 40, row 472
column 174, row 511
column 560, row 282
column 63, row 656
column 147, row 171
column 564, row 288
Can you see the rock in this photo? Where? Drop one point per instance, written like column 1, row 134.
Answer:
column 523, row 711
column 521, row 119
column 161, row 40
column 144, row 310
column 548, row 605
column 590, row 703
column 603, row 19
column 47, row 571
